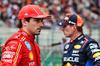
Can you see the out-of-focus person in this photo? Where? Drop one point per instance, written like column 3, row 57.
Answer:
column 62, row 43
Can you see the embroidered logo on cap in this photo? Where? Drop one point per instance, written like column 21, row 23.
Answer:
column 60, row 23
column 40, row 9
column 26, row 14
column 66, row 18
column 79, row 24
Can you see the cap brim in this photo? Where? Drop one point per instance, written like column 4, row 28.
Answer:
column 43, row 16
column 61, row 23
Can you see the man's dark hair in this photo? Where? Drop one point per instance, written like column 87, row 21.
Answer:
column 19, row 24
column 80, row 29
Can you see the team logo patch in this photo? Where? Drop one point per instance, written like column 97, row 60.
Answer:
column 79, row 24
column 67, row 46
column 31, row 55
column 40, row 9
column 28, row 45
column 82, row 42
column 66, row 18
column 77, row 46
column 75, row 51
column 68, row 64
column 65, row 52
column 96, row 54
column 31, row 63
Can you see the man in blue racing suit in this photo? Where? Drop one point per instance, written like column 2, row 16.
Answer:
column 80, row 48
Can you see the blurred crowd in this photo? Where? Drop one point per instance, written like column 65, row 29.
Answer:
column 9, row 10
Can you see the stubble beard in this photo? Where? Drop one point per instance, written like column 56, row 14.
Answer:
column 67, row 34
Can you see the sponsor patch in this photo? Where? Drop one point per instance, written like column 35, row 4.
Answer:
column 65, row 52
column 23, row 38
column 75, row 54
column 75, row 51
column 68, row 64
column 79, row 24
column 10, row 47
column 95, row 50
column 72, row 22
column 7, row 60
column 80, row 37
column 28, row 45
column 77, row 46
column 71, row 59
column 82, row 42
column 67, row 46
column 66, row 18
column 31, row 63
column 8, row 54
column 96, row 54
column 24, row 33
column 31, row 56
column 97, row 58
column 40, row 9
column 93, row 45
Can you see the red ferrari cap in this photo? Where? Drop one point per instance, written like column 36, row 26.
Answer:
column 32, row 11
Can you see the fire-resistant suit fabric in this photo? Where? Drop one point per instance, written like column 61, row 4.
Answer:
column 78, row 51
column 21, row 50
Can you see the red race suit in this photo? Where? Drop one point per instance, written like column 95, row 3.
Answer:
column 21, row 50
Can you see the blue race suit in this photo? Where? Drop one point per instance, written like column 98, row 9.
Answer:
column 78, row 51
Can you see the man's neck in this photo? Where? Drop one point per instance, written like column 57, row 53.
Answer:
column 75, row 35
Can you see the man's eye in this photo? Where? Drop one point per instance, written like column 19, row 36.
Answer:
column 64, row 26
column 39, row 20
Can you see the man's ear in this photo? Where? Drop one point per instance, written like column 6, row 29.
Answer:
column 24, row 22
column 74, row 27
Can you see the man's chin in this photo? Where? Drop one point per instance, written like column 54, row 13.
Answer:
column 37, row 34
column 66, row 36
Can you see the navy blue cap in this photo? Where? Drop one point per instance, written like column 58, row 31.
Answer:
column 72, row 19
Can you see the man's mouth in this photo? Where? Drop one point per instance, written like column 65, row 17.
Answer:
column 39, row 29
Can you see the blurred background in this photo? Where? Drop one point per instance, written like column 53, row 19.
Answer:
column 89, row 10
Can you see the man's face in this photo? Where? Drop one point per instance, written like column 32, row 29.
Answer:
column 34, row 26
column 68, row 30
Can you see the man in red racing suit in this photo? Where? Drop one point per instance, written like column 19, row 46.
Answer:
column 21, row 49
